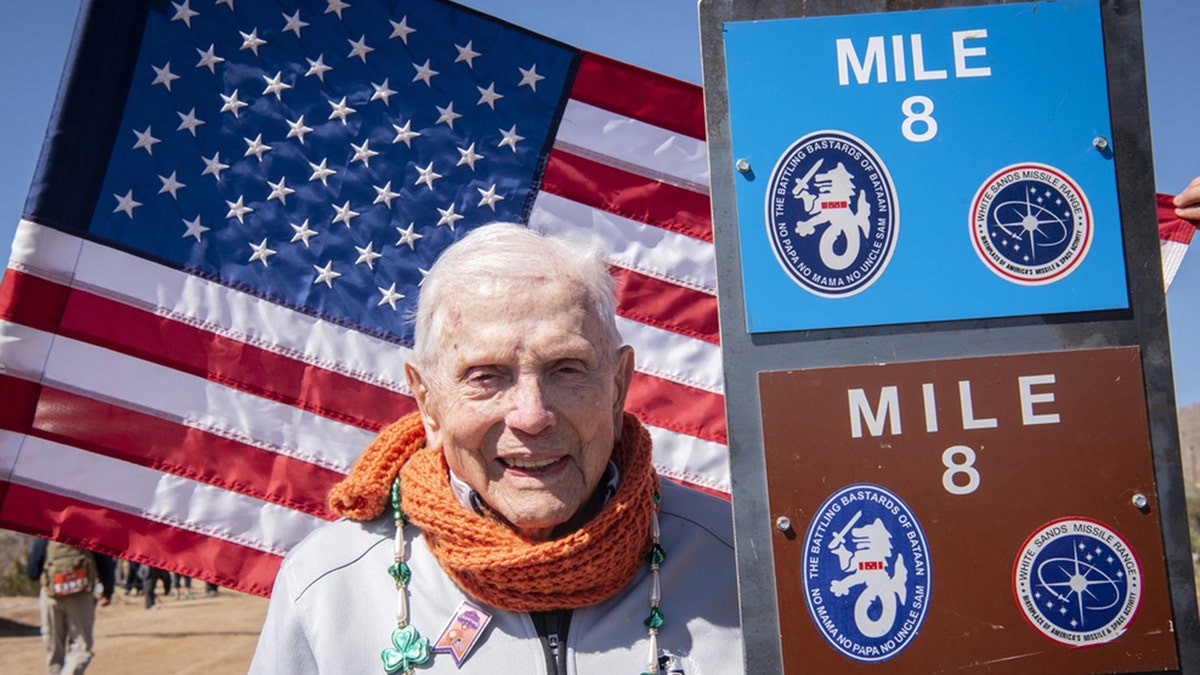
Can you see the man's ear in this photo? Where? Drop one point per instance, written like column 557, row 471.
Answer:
column 425, row 404
column 622, row 377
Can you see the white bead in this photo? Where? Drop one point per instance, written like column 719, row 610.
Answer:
column 652, row 662
column 655, row 590
column 401, row 607
column 654, row 531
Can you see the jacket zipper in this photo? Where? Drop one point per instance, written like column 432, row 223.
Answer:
column 552, row 627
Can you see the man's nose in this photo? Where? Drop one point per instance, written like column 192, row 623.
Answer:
column 529, row 412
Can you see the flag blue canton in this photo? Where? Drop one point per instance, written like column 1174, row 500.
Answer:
column 323, row 154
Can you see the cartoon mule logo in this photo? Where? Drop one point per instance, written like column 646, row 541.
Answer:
column 831, row 214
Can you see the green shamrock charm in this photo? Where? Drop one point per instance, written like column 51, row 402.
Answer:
column 410, row 649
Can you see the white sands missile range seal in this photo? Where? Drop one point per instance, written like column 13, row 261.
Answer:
column 1077, row 582
column 1031, row 224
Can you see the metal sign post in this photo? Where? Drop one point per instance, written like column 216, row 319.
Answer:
column 948, row 383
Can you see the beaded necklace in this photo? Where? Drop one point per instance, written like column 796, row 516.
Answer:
column 409, row 648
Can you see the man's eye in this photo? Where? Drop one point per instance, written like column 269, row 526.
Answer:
column 570, row 367
column 482, row 378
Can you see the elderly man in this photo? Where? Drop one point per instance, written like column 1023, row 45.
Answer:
column 515, row 523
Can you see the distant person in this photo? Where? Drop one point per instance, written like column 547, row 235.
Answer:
column 182, row 586
column 150, row 579
column 67, row 601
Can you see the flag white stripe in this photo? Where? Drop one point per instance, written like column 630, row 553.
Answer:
column 132, row 383
column 1172, row 256
column 674, row 357
column 643, row 248
column 690, row 459
column 625, row 142
column 216, row 308
column 158, row 496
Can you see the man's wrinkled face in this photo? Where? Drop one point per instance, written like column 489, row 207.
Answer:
column 524, row 395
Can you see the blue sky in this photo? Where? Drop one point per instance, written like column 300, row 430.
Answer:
column 661, row 35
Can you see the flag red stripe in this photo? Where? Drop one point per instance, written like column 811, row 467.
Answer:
column 113, row 325
column 664, row 305
column 31, row 300
column 110, row 430
column 116, row 533
column 677, row 407
column 628, row 195
column 641, row 94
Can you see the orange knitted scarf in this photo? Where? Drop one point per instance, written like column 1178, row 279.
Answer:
column 487, row 559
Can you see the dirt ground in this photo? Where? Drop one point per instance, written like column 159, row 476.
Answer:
column 211, row 635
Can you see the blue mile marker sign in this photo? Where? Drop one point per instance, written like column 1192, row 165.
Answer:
column 886, row 186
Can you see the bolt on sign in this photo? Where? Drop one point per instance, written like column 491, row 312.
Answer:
column 948, row 385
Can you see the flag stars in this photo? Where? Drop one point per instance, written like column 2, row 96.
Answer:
column 208, row 59
column 449, row 217
column 294, row 23
column 363, row 153
column 193, row 229
column 321, row 172
column 530, row 78
column 408, row 237
column 336, row 7
column 303, row 232
column 468, row 156
column 188, row 122
column 164, row 76
column 382, row 91
column 384, row 194
column 510, row 138
column 489, row 197
column 465, row 53
column 184, row 12
column 232, row 104
column 276, row 85
column 298, row 129
column 447, row 115
column 427, row 176
column 261, row 252
column 317, row 67
column 213, row 167
column 359, row 48
column 367, row 256
column 401, row 30
column 405, row 134
column 424, row 73
column 280, row 191
column 171, row 185
column 390, row 296
column 256, row 147
column 344, row 214
column 489, row 96
column 251, row 41
column 145, row 141
column 238, row 210
column 340, row 110
column 126, row 204
column 326, row 275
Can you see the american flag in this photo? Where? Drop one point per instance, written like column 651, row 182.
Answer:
column 204, row 318
column 1174, row 237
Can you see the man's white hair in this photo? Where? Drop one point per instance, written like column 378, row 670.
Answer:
column 500, row 251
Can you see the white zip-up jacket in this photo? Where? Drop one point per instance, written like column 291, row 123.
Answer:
column 333, row 606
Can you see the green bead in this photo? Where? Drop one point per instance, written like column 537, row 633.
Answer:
column 400, row 572
column 657, row 497
column 655, row 620
column 657, row 554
